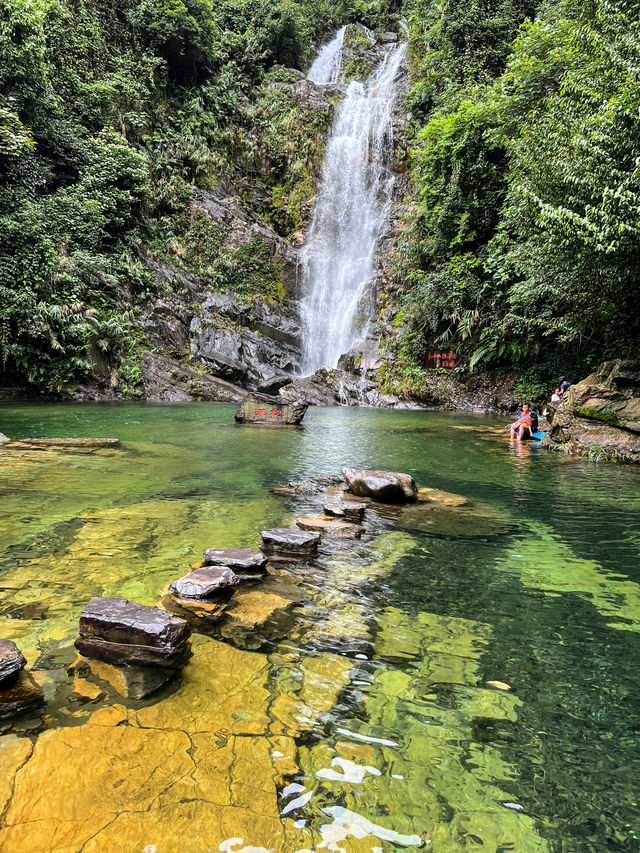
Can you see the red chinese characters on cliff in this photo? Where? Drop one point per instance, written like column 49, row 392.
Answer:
column 440, row 359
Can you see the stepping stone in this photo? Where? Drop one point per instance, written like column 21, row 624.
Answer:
column 384, row 486
column 290, row 543
column 331, row 527
column 235, row 558
column 122, row 632
column 204, row 582
column 12, row 662
column 350, row 510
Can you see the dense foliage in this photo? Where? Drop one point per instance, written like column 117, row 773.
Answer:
column 522, row 229
column 109, row 114
column 523, row 237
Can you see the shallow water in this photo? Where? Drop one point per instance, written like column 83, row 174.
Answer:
column 363, row 720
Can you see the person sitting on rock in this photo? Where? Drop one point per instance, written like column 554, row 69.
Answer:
column 564, row 387
column 521, row 428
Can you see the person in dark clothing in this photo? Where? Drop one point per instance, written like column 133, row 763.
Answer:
column 564, row 386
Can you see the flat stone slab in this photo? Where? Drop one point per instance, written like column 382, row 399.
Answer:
column 350, row 510
column 235, row 558
column 21, row 696
column 122, row 632
column 12, row 661
column 290, row 542
column 384, row 486
column 331, row 527
column 205, row 582
column 72, row 442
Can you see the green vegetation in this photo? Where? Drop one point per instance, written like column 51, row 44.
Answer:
column 109, row 115
column 522, row 240
column 522, row 237
column 605, row 416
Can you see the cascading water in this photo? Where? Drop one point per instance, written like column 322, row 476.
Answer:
column 352, row 208
column 327, row 65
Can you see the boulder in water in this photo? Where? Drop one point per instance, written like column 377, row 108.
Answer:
column 383, row 486
column 122, row 632
column 204, row 582
column 235, row 558
column 290, row 543
column 12, row 662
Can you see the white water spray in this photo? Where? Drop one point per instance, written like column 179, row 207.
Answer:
column 351, row 211
column 327, row 66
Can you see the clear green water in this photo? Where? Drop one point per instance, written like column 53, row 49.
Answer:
column 535, row 584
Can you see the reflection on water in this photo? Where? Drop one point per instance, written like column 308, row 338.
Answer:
column 372, row 717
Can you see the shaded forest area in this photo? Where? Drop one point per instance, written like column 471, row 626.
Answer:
column 521, row 231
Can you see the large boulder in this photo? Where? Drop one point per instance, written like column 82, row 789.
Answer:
column 205, row 582
column 122, row 632
column 12, row 662
column 168, row 380
column 4, row 439
column 601, row 413
column 235, row 558
column 383, row 486
column 290, row 543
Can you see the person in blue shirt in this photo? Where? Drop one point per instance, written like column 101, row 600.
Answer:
column 523, row 427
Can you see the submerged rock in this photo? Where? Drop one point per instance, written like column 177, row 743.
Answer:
column 119, row 631
column 315, row 486
column 72, row 442
column 131, row 682
column 204, row 582
column 12, row 662
column 200, row 612
column 289, row 542
column 20, row 696
column 235, row 558
column 256, row 617
column 383, row 486
column 331, row 527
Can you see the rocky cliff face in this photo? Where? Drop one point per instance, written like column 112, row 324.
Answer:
column 600, row 416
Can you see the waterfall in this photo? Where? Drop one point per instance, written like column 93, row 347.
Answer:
column 327, row 65
column 351, row 211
